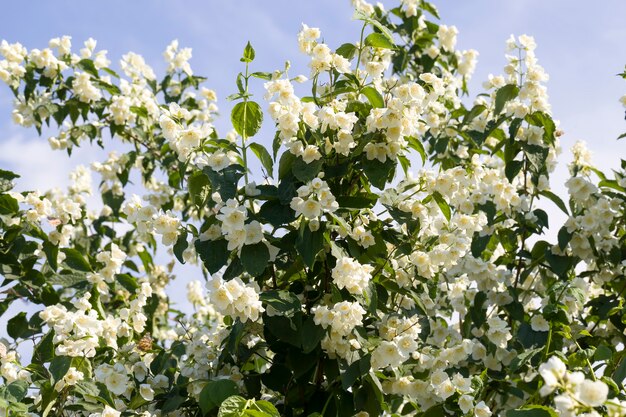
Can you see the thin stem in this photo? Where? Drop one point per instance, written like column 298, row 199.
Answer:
column 358, row 59
column 244, row 137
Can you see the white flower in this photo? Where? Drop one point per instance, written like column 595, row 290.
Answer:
column 84, row 89
column 447, row 37
column 110, row 412
column 539, row 323
column 466, row 403
column 236, row 299
column 481, row 410
column 117, row 383
column 254, row 232
column 592, row 393
column 146, row 392
column 311, row 209
column 310, row 154
column 350, row 274
column 552, row 373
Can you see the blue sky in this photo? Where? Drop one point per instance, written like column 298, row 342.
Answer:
column 581, row 46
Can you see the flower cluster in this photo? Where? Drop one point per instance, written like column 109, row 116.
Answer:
column 351, row 275
column 235, row 298
column 314, row 199
column 577, row 394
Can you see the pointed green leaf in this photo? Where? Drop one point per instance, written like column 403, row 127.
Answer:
column 255, row 258
column 247, row 118
column 378, row 40
column 213, row 253
column 373, row 96
column 248, row 53
column 264, row 156
column 504, row 94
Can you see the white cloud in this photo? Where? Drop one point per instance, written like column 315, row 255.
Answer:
column 40, row 167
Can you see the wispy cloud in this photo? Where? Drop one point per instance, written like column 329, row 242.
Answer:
column 41, row 168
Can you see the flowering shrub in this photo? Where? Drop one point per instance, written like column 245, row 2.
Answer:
column 389, row 260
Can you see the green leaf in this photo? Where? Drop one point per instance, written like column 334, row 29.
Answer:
column 285, row 164
column 504, row 94
column 611, row 184
column 266, row 407
column 44, row 350
column 559, row 264
column 555, row 199
column 473, row 113
column 199, row 188
column 113, row 200
column 523, row 358
column 139, row 111
column 248, row 53
column 537, row 156
column 234, row 269
column 479, row 244
column 379, row 173
column 180, row 246
column 225, row 182
column 67, row 278
column 311, row 334
column 358, row 201
column 247, row 118
column 564, row 237
column 478, row 312
column 378, row 40
column 276, row 213
column 215, row 392
column 17, row 390
column 59, row 367
column 532, row 411
column 82, row 365
column 74, row 259
column 287, row 189
column 513, row 168
column 347, row 50
column 620, row 373
column 213, row 253
column 8, row 175
column 373, row 96
column 127, row 281
column 232, row 406
column 603, row 353
column 366, row 18
column 17, row 326
column 306, row 172
column 283, row 301
column 6, row 180
column 530, row 338
column 87, row 65
column 430, row 9
column 264, row 156
column 418, row 146
column 355, row 371
column 52, row 252
column 443, row 205
column 255, row 258
column 8, row 205
column 309, row 243
column 262, row 75
column 173, row 401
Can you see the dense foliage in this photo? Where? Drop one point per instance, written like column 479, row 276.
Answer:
column 388, row 260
